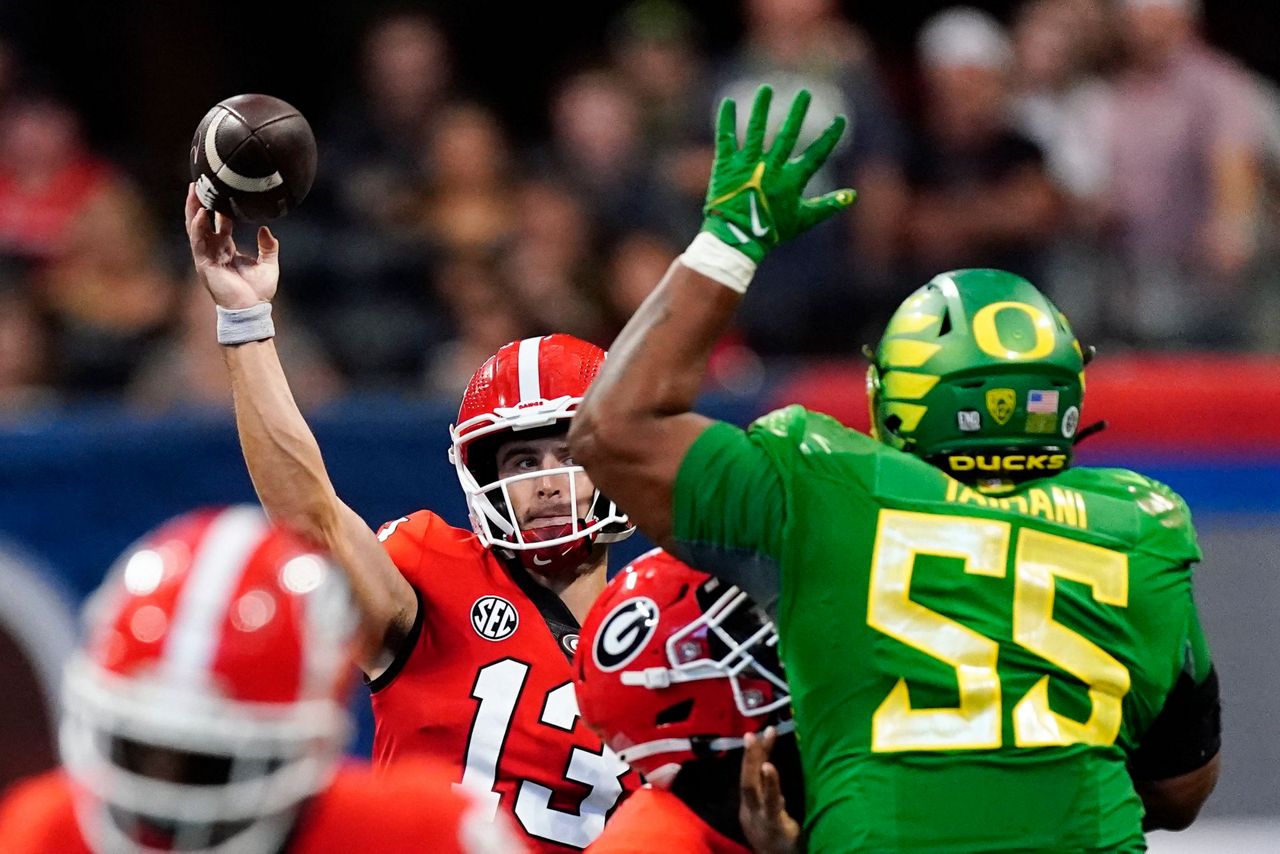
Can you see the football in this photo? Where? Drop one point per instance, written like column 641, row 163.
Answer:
column 253, row 158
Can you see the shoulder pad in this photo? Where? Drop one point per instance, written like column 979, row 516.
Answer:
column 1164, row 521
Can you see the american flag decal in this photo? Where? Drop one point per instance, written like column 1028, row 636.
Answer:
column 1042, row 401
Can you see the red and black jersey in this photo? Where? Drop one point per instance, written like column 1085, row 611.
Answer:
column 407, row 811
column 484, row 681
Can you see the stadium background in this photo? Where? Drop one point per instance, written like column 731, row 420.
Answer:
column 85, row 468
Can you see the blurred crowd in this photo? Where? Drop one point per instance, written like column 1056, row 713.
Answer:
column 1100, row 147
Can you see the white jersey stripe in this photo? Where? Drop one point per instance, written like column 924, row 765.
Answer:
column 216, row 570
column 530, row 376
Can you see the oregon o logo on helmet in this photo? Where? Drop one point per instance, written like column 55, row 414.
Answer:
column 987, row 335
column 494, row 618
column 624, row 632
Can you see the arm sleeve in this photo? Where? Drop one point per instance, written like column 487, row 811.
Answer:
column 1188, row 731
column 730, row 510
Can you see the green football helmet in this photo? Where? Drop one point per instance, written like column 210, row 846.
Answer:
column 980, row 375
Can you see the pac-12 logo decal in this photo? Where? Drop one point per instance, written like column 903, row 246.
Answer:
column 494, row 618
column 624, row 632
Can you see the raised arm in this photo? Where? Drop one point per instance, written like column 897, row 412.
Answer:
column 636, row 422
column 282, row 455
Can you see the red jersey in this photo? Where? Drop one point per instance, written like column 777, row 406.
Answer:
column 406, row 812
column 654, row 820
column 484, row 681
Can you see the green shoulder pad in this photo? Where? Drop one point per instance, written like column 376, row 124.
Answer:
column 1164, row 520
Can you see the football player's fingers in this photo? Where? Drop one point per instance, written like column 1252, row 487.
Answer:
column 727, row 129
column 192, row 205
column 223, row 224
column 771, row 785
column 816, row 210
column 753, row 756
column 790, row 132
column 759, row 120
column 812, row 158
column 268, row 246
column 200, row 233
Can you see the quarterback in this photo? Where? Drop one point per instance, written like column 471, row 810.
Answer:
column 467, row 636
column 987, row 648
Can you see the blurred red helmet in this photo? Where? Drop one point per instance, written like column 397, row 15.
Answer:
column 209, row 697
column 531, row 385
column 675, row 665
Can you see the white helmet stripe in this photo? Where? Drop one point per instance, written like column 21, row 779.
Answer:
column 216, row 570
column 530, row 375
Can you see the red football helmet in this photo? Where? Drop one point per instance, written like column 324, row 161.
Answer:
column 209, row 697
column 675, row 665
column 530, row 385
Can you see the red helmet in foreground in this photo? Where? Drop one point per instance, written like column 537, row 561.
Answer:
column 675, row 665
column 209, row 698
column 529, row 387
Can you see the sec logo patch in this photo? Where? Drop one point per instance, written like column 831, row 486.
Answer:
column 494, row 618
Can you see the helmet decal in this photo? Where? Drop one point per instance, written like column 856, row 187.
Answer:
column 624, row 632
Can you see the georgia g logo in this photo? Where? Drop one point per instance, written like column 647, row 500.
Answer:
column 494, row 618
column 624, row 632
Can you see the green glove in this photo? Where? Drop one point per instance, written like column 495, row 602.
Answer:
column 755, row 199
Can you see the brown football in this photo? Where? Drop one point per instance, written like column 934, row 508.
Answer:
column 253, row 158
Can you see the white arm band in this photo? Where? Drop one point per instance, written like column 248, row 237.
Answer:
column 242, row 325
column 715, row 259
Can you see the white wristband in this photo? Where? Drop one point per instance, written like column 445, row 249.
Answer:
column 242, row 325
column 715, row 259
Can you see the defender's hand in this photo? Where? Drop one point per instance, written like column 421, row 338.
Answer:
column 234, row 279
column 755, row 199
column 762, row 811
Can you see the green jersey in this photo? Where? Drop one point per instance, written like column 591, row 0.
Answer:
column 968, row 672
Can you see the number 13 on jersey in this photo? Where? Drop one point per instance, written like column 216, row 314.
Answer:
column 1038, row 561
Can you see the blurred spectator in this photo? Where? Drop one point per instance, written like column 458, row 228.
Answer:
column 106, row 290
column 372, row 152
column 24, row 387
column 653, row 45
column 370, row 301
column 1184, row 140
column 1060, row 103
column 186, row 369
column 981, row 193
column 485, row 317
column 598, row 152
column 468, row 203
column 47, row 175
column 550, row 269
column 805, row 296
column 637, row 262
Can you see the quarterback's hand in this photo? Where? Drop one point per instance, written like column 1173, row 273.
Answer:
column 234, row 279
column 762, row 810
column 756, row 198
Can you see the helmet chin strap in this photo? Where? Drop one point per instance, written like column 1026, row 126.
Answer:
column 557, row 560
